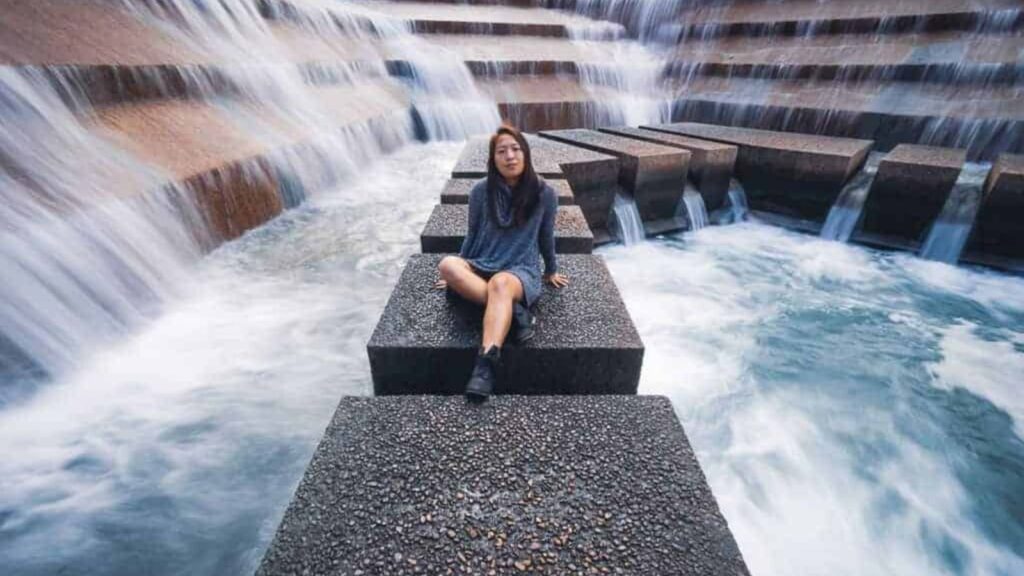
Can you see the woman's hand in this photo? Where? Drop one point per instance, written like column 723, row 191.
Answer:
column 557, row 280
column 441, row 285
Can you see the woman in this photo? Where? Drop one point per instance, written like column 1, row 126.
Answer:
column 511, row 226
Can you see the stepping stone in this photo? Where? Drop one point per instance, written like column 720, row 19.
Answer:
column 592, row 176
column 586, row 343
column 797, row 175
column 711, row 163
column 909, row 191
column 448, row 223
column 654, row 174
column 425, row 484
column 456, row 190
column 999, row 227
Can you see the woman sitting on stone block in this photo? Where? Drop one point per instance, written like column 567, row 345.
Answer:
column 511, row 226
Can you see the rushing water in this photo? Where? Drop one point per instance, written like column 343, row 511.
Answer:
column 845, row 214
column 693, row 204
column 629, row 228
column 949, row 232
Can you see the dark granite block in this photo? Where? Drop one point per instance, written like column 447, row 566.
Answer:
column 447, row 227
column 456, row 190
column 654, row 174
column 426, row 340
column 593, row 176
column 999, row 227
column 798, row 175
column 909, row 191
column 711, row 163
column 540, row 485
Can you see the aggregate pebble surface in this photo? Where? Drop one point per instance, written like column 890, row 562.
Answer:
column 456, row 190
column 448, row 224
column 585, row 342
column 519, row 485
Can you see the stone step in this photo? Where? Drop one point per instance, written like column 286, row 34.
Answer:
column 586, row 343
column 654, row 175
column 433, row 485
column 711, row 163
column 446, row 229
column 593, row 176
column 999, row 226
column 794, row 174
column 810, row 17
column 909, row 191
column 456, row 190
column 946, row 72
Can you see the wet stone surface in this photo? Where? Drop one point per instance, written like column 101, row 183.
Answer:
column 456, row 190
column 585, row 343
column 539, row 485
column 448, row 224
column 999, row 227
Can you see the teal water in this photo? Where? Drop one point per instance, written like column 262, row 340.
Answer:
column 855, row 412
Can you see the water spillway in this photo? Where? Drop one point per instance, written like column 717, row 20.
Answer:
column 205, row 210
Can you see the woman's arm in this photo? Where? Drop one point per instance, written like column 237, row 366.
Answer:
column 547, row 230
column 476, row 206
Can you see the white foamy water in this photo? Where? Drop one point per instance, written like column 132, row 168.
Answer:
column 178, row 448
column 849, row 421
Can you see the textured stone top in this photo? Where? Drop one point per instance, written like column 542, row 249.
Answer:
column 678, row 140
column 1007, row 171
column 613, row 144
column 812, row 144
column 548, row 485
column 456, row 190
column 950, row 158
column 453, row 220
column 548, row 157
column 589, row 313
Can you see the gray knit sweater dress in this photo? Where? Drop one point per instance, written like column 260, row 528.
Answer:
column 498, row 245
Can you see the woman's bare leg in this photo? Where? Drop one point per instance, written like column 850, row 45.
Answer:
column 463, row 280
column 503, row 291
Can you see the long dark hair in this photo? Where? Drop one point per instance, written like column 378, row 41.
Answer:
column 526, row 193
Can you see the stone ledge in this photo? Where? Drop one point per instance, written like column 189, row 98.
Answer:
column 592, row 176
column 910, row 189
column 456, row 190
column 798, row 175
column 586, row 343
column 555, row 485
column 448, row 223
column 999, row 227
column 654, row 174
column 711, row 163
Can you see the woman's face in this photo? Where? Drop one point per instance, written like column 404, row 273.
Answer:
column 508, row 157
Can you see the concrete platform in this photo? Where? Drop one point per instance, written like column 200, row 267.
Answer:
column 586, row 343
column 552, row 485
column 447, row 226
column 798, row 175
column 711, row 163
column 910, row 189
column 654, row 174
column 456, row 190
column 592, row 176
column 999, row 226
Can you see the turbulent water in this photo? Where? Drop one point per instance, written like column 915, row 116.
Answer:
column 854, row 411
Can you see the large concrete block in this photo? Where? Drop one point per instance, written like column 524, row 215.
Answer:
column 798, row 175
column 711, row 163
column 654, row 174
column 593, row 176
column 456, row 190
column 909, row 191
column 586, row 343
column 999, row 226
column 540, row 485
column 448, row 223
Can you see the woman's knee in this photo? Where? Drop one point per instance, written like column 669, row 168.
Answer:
column 450, row 266
column 503, row 284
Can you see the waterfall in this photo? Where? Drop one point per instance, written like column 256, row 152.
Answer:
column 693, row 204
column 738, row 201
column 845, row 212
column 647, row 20
column 629, row 227
column 951, row 229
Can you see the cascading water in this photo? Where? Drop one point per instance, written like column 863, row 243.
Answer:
column 949, row 232
column 738, row 208
column 845, row 213
column 629, row 227
column 693, row 204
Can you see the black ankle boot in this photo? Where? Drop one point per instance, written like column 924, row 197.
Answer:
column 481, row 383
column 522, row 321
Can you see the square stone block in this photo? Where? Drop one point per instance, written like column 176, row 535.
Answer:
column 456, row 190
column 448, row 223
column 999, row 226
